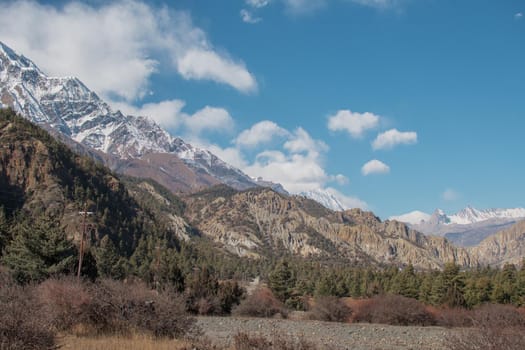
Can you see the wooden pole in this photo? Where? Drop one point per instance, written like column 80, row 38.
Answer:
column 81, row 250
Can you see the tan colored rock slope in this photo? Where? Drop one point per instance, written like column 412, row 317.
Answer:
column 253, row 222
column 507, row 246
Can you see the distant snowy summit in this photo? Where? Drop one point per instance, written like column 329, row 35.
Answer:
column 467, row 227
column 413, row 218
column 325, row 198
column 466, row 216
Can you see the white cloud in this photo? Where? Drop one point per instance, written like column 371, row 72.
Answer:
column 257, row 3
column 375, row 167
column 170, row 114
column 260, row 133
column 450, row 195
column 354, row 123
column 209, row 118
column 393, row 137
column 116, row 47
column 166, row 113
column 247, row 17
column 341, row 179
column 207, row 64
column 297, row 163
column 302, row 142
column 518, row 15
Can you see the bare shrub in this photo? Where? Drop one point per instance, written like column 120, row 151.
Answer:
column 331, row 309
column 244, row 341
column 455, row 317
column 262, row 303
column 65, row 301
column 394, row 310
column 23, row 325
column 208, row 306
column 494, row 327
column 117, row 307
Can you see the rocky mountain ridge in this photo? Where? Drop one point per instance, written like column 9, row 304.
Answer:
column 69, row 107
column 253, row 221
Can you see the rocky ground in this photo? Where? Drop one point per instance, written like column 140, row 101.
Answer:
column 220, row 330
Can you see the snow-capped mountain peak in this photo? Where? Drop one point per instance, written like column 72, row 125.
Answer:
column 414, row 217
column 325, row 198
column 466, row 216
column 68, row 106
column 471, row 215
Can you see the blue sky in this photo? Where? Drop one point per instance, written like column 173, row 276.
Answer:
column 429, row 93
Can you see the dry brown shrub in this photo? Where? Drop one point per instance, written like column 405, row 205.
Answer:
column 23, row 324
column 454, row 317
column 331, row 309
column 208, row 306
column 244, row 341
column 117, row 307
column 494, row 327
column 65, row 300
column 394, row 310
column 262, row 303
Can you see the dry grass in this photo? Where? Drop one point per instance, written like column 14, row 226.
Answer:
column 135, row 342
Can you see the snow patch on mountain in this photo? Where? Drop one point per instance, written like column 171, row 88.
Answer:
column 471, row 215
column 67, row 105
column 415, row 217
column 325, row 198
column 466, row 216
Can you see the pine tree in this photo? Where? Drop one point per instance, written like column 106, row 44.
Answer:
column 281, row 281
column 504, row 291
column 109, row 263
column 38, row 250
column 406, row 283
column 449, row 287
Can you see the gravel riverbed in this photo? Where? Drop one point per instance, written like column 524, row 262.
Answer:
column 220, row 330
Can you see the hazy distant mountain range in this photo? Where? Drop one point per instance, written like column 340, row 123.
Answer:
column 468, row 227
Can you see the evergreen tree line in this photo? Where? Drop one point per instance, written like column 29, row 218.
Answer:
column 35, row 249
column 292, row 280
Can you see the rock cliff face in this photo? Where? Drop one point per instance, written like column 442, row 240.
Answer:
column 253, row 222
column 507, row 246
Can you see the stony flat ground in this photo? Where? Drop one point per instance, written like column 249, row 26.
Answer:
column 220, row 330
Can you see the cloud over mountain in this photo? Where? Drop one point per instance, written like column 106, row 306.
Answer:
column 111, row 47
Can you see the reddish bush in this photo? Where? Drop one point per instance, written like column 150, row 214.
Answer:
column 330, row 309
column 394, row 310
column 262, row 303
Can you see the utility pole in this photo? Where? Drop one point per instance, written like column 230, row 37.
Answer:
column 81, row 250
